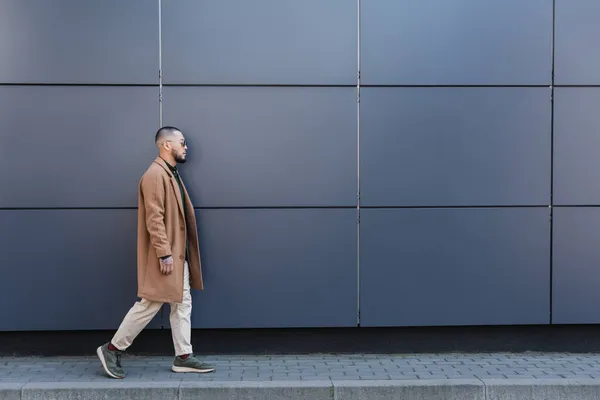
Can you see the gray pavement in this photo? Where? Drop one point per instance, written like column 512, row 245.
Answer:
column 358, row 376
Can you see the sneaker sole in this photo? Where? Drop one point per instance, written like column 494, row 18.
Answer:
column 103, row 361
column 188, row 369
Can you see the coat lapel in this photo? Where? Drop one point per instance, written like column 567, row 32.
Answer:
column 178, row 194
column 174, row 184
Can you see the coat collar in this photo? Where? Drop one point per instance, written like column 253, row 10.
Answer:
column 164, row 166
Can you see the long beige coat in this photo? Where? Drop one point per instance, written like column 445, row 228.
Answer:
column 161, row 231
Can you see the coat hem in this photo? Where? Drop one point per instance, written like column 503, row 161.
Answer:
column 159, row 299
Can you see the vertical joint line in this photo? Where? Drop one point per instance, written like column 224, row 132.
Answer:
column 160, row 71
column 552, row 161
column 358, row 163
column 160, row 101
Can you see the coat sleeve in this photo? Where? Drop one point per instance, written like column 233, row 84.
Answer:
column 154, row 203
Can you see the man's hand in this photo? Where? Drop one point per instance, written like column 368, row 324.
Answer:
column 166, row 265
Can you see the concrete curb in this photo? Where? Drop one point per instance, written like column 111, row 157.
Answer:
column 446, row 389
column 551, row 389
column 426, row 389
column 100, row 390
column 272, row 390
column 10, row 391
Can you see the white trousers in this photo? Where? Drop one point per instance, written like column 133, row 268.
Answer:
column 143, row 311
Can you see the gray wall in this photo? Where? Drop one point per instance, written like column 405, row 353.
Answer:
column 476, row 133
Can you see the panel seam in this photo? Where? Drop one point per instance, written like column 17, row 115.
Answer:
column 551, row 207
column 358, row 71
column 160, row 71
column 160, row 122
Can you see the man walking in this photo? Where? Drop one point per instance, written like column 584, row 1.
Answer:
column 168, row 259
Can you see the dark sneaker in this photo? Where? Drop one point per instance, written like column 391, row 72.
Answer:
column 191, row 364
column 111, row 361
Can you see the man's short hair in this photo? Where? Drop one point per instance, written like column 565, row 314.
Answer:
column 165, row 132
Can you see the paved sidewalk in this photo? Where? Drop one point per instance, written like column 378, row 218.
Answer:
column 427, row 376
column 314, row 367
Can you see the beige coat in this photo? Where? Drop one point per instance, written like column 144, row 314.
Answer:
column 161, row 231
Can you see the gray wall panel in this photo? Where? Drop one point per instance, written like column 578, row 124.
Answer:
column 455, row 146
column 454, row 266
column 260, row 42
column 577, row 56
column 75, row 146
column 576, row 255
column 576, row 144
column 263, row 146
column 456, row 42
column 265, row 150
column 277, row 268
column 75, row 41
column 67, row 269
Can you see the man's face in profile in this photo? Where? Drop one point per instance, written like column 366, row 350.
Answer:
column 179, row 147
